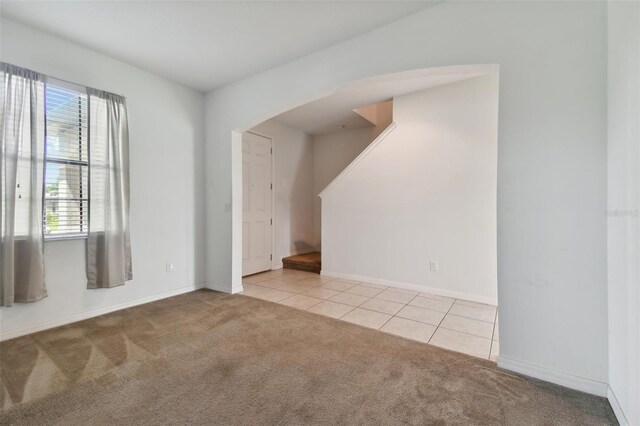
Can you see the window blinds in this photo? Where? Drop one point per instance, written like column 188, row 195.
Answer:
column 66, row 182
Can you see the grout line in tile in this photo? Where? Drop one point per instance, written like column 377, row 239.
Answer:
column 371, row 310
column 412, row 299
column 438, row 326
column 464, row 316
column 471, row 318
column 396, row 314
column 340, row 317
column 463, row 332
column 493, row 333
column 385, row 323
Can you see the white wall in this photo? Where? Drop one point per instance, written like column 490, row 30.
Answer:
column 293, row 189
column 551, row 161
column 167, row 185
column 624, row 207
column 331, row 154
column 303, row 166
column 425, row 192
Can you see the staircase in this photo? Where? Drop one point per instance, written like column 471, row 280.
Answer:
column 309, row 262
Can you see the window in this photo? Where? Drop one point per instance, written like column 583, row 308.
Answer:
column 66, row 177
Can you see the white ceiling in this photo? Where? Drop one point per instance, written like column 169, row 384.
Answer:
column 330, row 113
column 206, row 44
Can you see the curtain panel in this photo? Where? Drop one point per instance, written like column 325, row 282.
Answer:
column 108, row 245
column 21, row 185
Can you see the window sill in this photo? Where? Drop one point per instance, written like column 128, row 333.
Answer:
column 66, row 237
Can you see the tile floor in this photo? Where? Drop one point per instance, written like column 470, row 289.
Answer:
column 454, row 324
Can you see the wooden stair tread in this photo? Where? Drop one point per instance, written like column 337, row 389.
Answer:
column 309, row 262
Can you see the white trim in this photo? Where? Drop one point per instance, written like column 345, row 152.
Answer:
column 617, row 409
column 10, row 334
column 236, row 213
column 359, row 158
column 415, row 287
column 559, row 378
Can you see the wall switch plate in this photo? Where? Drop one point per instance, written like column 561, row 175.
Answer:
column 169, row 267
column 433, row 266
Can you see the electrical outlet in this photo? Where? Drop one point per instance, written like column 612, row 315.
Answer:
column 433, row 266
column 169, row 267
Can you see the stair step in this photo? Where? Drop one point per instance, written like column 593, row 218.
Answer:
column 309, row 262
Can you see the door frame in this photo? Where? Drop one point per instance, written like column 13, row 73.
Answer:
column 273, row 192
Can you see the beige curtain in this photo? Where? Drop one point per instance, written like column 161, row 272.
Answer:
column 21, row 185
column 108, row 245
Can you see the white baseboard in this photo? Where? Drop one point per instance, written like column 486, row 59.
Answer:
column 6, row 335
column 414, row 287
column 225, row 288
column 617, row 409
column 563, row 379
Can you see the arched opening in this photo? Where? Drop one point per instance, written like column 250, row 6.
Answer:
column 412, row 214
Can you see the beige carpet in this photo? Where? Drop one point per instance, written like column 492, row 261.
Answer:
column 208, row 358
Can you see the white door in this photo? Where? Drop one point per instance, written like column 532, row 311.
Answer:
column 256, row 204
